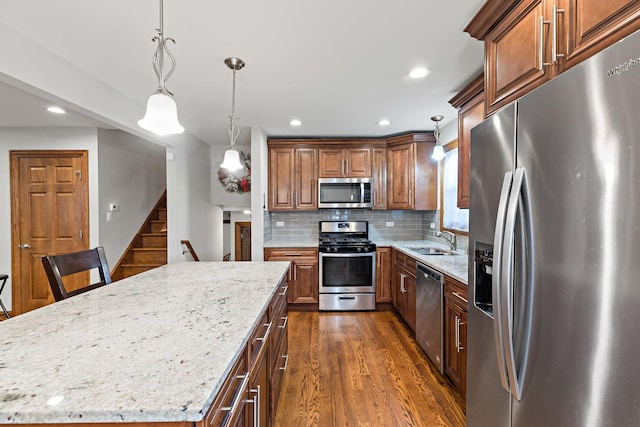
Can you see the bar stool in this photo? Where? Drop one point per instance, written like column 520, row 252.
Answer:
column 3, row 278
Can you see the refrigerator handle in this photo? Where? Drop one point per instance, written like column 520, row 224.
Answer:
column 518, row 194
column 496, row 282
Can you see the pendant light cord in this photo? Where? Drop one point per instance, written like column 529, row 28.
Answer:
column 158, row 56
column 234, row 131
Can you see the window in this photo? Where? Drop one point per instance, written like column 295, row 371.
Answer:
column 451, row 217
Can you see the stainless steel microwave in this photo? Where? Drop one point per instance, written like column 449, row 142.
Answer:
column 342, row 193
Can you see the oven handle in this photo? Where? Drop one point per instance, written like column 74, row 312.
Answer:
column 347, row 255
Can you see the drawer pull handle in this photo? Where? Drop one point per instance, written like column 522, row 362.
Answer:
column 286, row 362
column 460, row 296
column 284, row 291
column 292, row 254
column 284, row 325
column 243, row 385
column 346, row 297
column 266, row 334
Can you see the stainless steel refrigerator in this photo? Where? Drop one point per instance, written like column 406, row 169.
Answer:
column 554, row 265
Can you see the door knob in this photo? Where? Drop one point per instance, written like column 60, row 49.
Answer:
column 24, row 246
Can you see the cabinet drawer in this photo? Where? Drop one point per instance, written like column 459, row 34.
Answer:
column 456, row 292
column 279, row 319
column 291, row 253
column 259, row 340
column 229, row 402
column 405, row 262
column 280, row 366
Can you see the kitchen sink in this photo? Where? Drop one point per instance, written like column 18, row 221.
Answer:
column 432, row 251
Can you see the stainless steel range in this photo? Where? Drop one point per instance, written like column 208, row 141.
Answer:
column 347, row 266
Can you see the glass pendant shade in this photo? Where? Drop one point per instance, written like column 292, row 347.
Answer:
column 161, row 117
column 231, row 160
column 438, row 153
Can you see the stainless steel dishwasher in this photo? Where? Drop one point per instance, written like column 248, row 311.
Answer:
column 429, row 301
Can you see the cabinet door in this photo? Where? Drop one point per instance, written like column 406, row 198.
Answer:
column 357, row 162
column 306, row 179
column 257, row 409
column 516, row 52
column 455, row 344
column 469, row 116
column 383, row 275
column 410, row 285
column 400, row 176
column 331, row 164
column 281, row 179
column 592, row 25
column 305, row 278
column 379, row 178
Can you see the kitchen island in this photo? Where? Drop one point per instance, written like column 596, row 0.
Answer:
column 152, row 348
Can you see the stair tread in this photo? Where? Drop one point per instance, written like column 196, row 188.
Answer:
column 149, row 249
column 158, row 234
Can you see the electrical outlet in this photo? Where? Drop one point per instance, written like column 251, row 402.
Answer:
column 279, row 223
column 389, row 223
column 432, row 226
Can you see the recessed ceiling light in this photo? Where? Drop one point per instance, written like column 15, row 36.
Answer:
column 56, row 110
column 384, row 122
column 418, row 73
column 295, row 122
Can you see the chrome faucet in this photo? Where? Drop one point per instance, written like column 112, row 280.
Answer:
column 449, row 237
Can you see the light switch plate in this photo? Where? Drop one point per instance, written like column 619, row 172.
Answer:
column 389, row 223
column 279, row 223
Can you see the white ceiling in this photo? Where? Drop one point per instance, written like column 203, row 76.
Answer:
column 338, row 66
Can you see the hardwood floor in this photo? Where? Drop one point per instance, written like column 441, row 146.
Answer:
column 361, row 369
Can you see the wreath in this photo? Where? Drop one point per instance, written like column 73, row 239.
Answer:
column 238, row 181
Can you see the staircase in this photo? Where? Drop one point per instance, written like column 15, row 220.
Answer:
column 148, row 249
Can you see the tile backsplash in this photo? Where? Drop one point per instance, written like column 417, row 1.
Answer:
column 407, row 225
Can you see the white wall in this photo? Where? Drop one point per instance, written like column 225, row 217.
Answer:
column 259, row 168
column 132, row 174
column 191, row 216
column 43, row 139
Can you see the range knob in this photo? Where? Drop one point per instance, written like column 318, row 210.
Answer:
column 359, row 249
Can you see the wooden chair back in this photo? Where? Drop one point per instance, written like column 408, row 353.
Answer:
column 58, row 266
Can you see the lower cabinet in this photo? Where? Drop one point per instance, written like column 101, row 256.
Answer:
column 383, row 274
column 404, row 287
column 250, row 393
column 303, row 275
column 456, row 333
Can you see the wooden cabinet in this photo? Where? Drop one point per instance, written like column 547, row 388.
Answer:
column 517, row 54
column 257, row 408
column 293, row 178
column 529, row 42
column 379, row 178
column 470, row 104
column 588, row 26
column 303, row 274
column 249, row 395
column 404, row 287
column 345, row 162
column 383, row 274
column 455, row 327
column 411, row 173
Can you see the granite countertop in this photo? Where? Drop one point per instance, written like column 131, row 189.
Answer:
column 302, row 243
column 455, row 266
column 153, row 347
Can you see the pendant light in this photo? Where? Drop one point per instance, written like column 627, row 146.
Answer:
column 231, row 160
column 438, row 151
column 161, row 116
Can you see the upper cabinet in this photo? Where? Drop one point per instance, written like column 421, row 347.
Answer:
column 412, row 176
column 588, row 26
column 345, row 162
column 517, row 54
column 470, row 104
column 529, row 42
column 379, row 178
column 293, row 178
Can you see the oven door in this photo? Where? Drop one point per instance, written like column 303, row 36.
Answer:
column 347, row 272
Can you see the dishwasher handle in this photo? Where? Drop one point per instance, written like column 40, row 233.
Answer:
column 428, row 272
